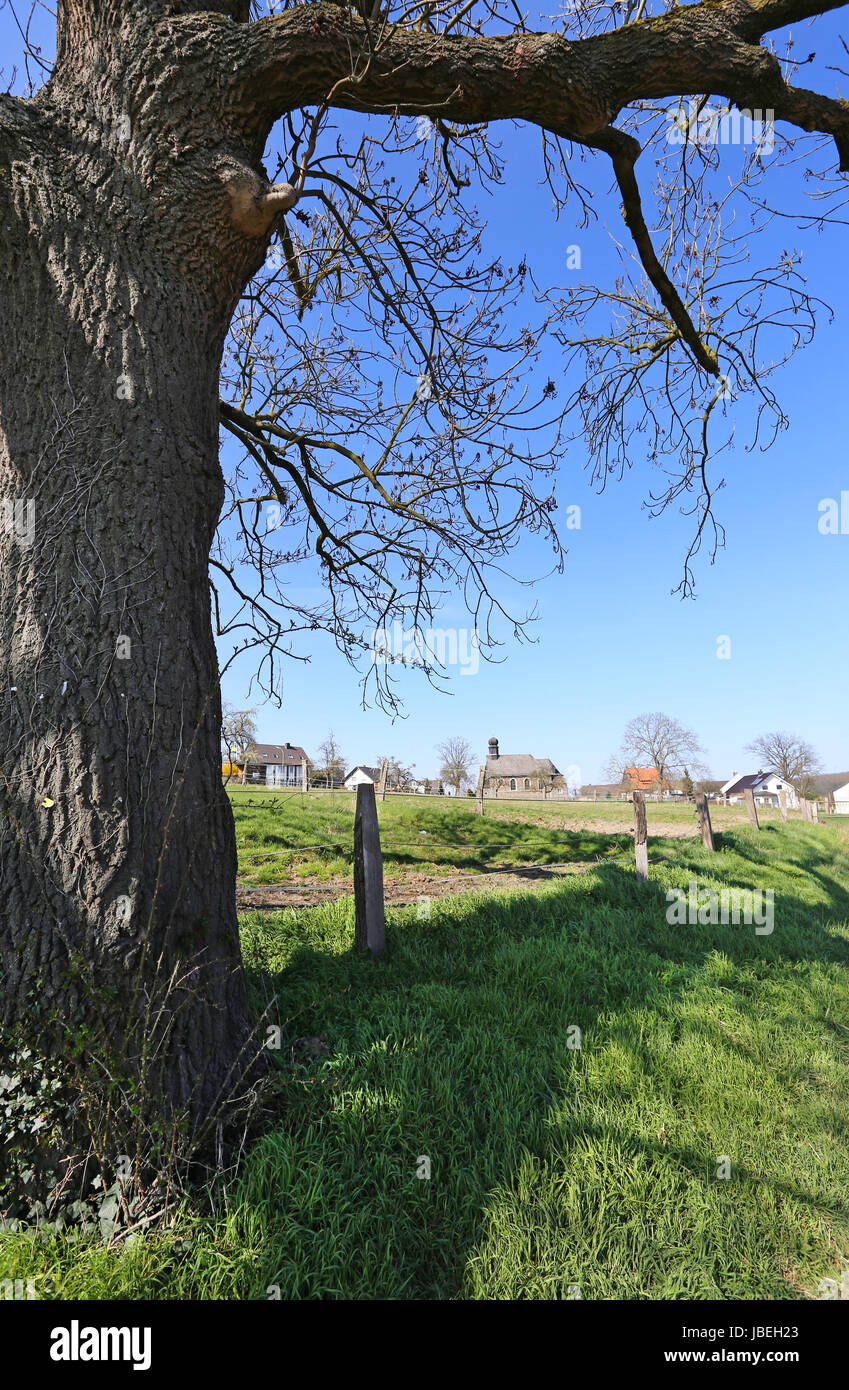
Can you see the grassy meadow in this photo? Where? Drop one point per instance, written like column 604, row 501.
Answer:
column 286, row 836
column 552, row 1166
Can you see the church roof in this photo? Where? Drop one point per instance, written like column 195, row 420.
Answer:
column 520, row 765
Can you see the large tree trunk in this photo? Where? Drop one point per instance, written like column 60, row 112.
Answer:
column 120, row 271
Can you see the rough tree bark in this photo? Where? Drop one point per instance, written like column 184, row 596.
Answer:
column 133, row 211
column 122, row 263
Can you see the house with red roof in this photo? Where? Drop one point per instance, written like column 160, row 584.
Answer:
column 643, row 779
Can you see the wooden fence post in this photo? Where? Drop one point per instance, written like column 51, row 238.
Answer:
column 305, row 776
column 370, row 921
column 703, row 812
column 382, row 787
column 641, row 834
column 815, row 811
column 479, row 795
column 806, row 810
column 749, row 796
column 782, row 803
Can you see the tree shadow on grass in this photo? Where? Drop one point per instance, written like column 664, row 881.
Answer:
column 445, row 840
column 810, row 855
column 456, row 1047
column 487, row 839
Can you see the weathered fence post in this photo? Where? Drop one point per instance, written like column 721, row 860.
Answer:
column 749, row 796
column 370, row 921
column 703, row 812
column 382, row 788
column 479, row 795
column 782, row 803
column 806, row 810
column 815, row 811
column 831, row 803
column 641, row 835
column 305, row 776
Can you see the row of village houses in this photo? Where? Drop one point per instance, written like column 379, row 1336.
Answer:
column 521, row 775
column 286, row 765
column 766, row 788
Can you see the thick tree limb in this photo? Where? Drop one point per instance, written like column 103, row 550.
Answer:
column 765, row 15
column 574, row 89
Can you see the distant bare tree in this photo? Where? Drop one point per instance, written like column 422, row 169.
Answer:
column 789, row 756
column 238, row 736
column 457, row 759
column 614, row 768
column 659, row 741
column 398, row 774
column 330, row 762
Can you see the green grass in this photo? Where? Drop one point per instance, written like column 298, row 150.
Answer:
column 551, row 1166
column 282, row 836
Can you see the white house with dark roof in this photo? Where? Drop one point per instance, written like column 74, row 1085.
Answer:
column 361, row 774
column 518, row 772
column 765, row 787
column 276, row 764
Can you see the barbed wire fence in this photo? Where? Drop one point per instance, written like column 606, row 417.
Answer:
column 365, row 849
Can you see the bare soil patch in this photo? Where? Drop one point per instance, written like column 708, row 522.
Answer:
column 401, row 892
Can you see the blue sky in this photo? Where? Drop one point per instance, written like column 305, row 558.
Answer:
column 612, row 640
